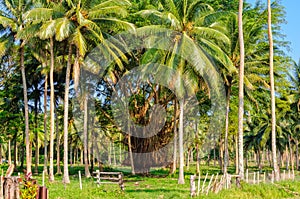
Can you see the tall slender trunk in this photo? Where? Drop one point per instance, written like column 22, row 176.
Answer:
column 236, row 155
column 9, row 152
column 109, row 153
column 23, row 153
column 221, row 154
column 130, row 151
column 226, row 158
column 51, row 168
column 120, row 149
column 291, row 153
column 181, row 151
column 297, row 154
column 27, row 136
column 272, row 89
column 259, row 160
column 36, row 133
column 286, row 157
column 114, row 154
column 66, row 178
column 81, row 156
column 197, row 149
column 58, row 169
column 85, row 136
column 15, row 150
column 45, row 126
column 188, row 155
column 241, row 91
column 173, row 169
column 71, row 155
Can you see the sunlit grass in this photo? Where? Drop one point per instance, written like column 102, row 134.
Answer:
column 159, row 184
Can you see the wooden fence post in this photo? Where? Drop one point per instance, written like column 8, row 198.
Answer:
column 203, row 185
column 208, row 187
column 293, row 174
column 192, row 185
column 198, row 187
column 80, row 183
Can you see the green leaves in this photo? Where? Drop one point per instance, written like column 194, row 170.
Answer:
column 38, row 15
column 8, row 23
column 64, row 28
column 47, row 30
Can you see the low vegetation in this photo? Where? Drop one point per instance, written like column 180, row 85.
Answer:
column 160, row 184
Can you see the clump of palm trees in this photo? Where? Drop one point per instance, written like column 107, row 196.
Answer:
column 49, row 41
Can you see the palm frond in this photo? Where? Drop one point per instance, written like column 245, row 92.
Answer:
column 217, row 53
column 7, row 22
column 79, row 40
column 118, row 23
column 210, row 33
column 64, row 28
column 47, row 30
column 29, row 31
column 107, row 11
column 38, row 14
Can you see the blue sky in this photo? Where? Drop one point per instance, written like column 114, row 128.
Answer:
column 292, row 28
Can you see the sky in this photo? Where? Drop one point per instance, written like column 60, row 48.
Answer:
column 292, row 28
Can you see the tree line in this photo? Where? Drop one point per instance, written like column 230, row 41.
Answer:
column 44, row 50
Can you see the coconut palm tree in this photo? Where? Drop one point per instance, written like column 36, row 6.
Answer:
column 11, row 17
column 83, row 25
column 272, row 89
column 241, row 91
column 196, row 22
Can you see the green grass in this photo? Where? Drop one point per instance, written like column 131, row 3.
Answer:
column 148, row 188
column 160, row 185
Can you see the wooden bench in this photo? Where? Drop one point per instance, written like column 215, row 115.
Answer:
column 109, row 178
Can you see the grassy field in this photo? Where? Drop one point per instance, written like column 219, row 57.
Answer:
column 160, row 185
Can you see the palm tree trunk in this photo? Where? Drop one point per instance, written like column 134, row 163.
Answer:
column 173, row 169
column 36, row 134
column 188, row 155
column 130, row 151
column 85, row 136
column 291, row 153
column 114, row 154
column 297, row 155
column 181, row 152
column 15, row 150
column 120, row 149
column 81, row 156
column 226, row 130
column 71, row 155
column 241, row 91
column 9, row 152
column 109, row 154
column 197, row 150
column 27, row 136
column 58, row 169
column 286, row 157
column 51, row 168
column 236, row 155
column 66, row 178
column 272, row 89
column 45, row 126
